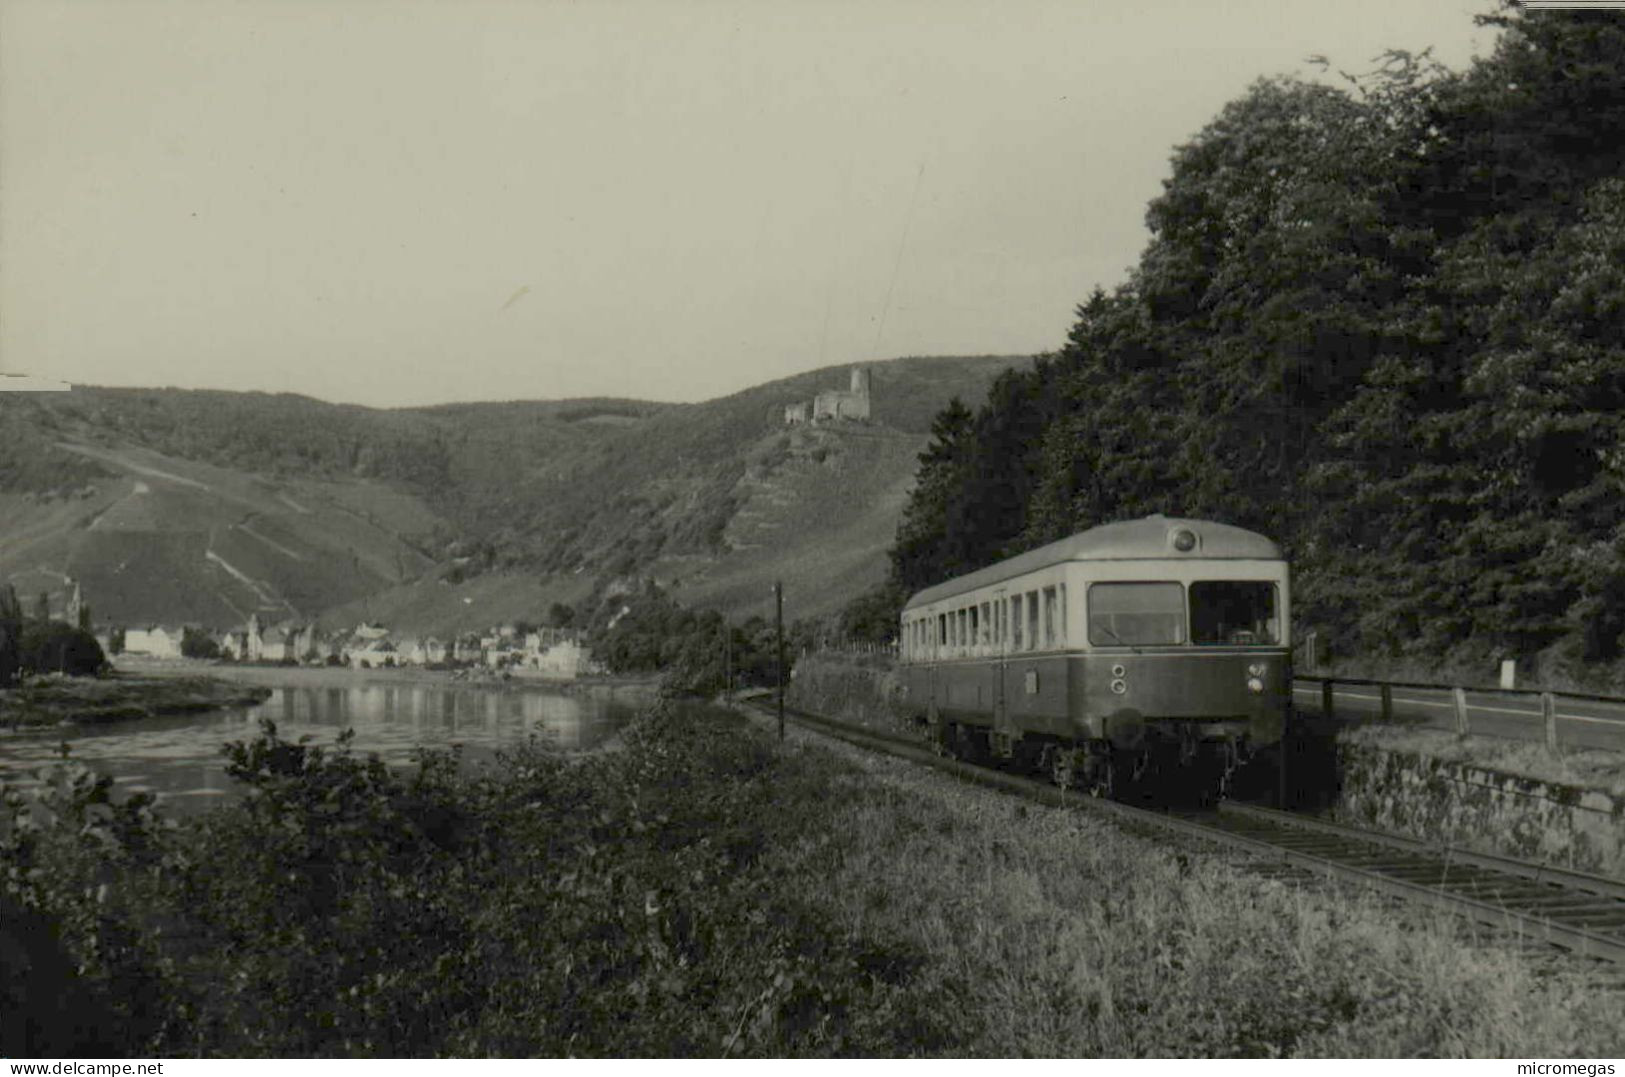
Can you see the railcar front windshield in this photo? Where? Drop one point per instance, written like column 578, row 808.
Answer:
column 1236, row 612
column 1136, row 614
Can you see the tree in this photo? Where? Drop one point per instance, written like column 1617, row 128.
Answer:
column 1381, row 323
column 11, row 629
column 54, row 647
column 197, row 643
column 921, row 554
column 873, row 616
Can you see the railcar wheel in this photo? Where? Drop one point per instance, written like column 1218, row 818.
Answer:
column 1099, row 778
column 969, row 743
column 1063, row 770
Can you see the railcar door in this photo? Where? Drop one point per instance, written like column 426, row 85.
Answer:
column 1001, row 658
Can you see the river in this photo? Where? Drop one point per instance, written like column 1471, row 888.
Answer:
column 179, row 759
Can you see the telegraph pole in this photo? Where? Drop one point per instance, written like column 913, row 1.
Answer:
column 778, row 622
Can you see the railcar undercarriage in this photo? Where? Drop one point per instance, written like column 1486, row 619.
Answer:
column 1167, row 762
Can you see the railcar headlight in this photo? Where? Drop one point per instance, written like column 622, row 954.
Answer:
column 1184, row 540
column 1257, row 669
column 1255, row 685
column 1119, row 686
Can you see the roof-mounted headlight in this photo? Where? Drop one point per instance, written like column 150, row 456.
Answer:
column 1184, row 540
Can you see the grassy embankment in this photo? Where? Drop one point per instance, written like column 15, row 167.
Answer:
column 52, row 700
column 708, row 891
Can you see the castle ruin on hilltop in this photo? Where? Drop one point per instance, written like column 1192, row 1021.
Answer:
column 833, row 404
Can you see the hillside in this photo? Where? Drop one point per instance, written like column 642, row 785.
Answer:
column 159, row 539
column 200, row 507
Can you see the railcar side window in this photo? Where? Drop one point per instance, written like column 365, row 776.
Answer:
column 1015, row 622
column 1131, row 614
column 1235, row 611
column 975, row 637
column 1049, row 616
column 1032, row 620
column 986, row 635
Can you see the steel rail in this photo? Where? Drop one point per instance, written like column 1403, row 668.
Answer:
column 1506, row 865
column 1279, row 836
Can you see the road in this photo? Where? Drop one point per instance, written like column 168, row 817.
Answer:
column 1581, row 723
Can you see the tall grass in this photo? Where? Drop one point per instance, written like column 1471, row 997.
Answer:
column 708, row 891
column 1083, row 940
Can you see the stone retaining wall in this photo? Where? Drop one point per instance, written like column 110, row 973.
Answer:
column 1460, row 804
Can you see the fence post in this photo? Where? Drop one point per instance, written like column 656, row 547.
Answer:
column 1548, row 713
column 1460, row 695
column 1387, row 702
column 1326, row 698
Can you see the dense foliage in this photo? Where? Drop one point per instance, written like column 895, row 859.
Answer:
column 54, row 647
column 1385, row 324
column 540, row 907
column 11, row 632
column 706, row 890
column 645, row 630
column 196, row 643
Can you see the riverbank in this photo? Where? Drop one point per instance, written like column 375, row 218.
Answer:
column 280, row 676
column 710, row 891
column 48, row 701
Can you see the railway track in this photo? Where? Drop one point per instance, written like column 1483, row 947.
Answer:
column 1535, row 902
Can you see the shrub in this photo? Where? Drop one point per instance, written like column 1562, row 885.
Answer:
column 196, row 643
column 54, row 647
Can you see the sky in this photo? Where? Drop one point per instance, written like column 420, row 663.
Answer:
column 396, row 202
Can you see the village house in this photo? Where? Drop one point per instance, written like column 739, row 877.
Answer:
column 427, row 651
column 277, row 644
column 154, row 641
column 375, row 653
column 467, row 649
column 567, row 660
column 233, row 644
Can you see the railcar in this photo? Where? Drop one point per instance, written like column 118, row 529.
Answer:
column 1135, row 645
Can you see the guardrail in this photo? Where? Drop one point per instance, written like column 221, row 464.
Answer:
column 1570, row 720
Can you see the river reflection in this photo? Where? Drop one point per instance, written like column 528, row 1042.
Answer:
column 179, row 758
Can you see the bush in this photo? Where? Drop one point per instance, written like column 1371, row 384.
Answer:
column 54, row 647
column 634, row 903
column 196, row 643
